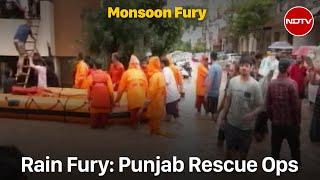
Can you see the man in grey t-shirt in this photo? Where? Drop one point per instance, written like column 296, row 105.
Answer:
column 243, row 103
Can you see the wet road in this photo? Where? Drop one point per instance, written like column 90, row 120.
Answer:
column 195, row 137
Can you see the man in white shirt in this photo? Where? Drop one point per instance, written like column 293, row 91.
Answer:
column 172, row 92
column 268, row 65
column 40, row 68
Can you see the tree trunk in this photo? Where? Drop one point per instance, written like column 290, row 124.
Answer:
column 139, row 48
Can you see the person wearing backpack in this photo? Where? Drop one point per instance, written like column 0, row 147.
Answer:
column 100, row 97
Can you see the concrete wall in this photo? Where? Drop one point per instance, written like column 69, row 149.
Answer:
column 192, row 36
column 46, row 32
column 252, row 43
column 68, row 24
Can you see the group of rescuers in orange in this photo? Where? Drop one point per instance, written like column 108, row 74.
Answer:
column 145, row 85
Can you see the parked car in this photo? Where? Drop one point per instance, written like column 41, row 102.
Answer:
column 232, row 57
column 221, row 55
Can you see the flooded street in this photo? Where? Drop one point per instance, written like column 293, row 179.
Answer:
column 195, row 136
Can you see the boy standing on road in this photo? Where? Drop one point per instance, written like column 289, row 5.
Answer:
column 213, row 84
column 172, row 92
column 284, row 111
column 243, row 103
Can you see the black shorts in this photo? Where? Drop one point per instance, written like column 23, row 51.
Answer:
column 172, row 109
column 237, row 139
column 212, row 104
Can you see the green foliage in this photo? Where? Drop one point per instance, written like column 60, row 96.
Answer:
column 167, row 32
column 183, row 46
column 106, row 35
column 249, row 16
column 199, row 47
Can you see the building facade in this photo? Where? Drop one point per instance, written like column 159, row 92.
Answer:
column 60, row 27
column 274, row 30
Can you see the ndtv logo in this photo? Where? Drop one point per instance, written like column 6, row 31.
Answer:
column 298, row 21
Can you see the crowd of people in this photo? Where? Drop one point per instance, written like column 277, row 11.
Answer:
column 153, row 89
column 258, row 89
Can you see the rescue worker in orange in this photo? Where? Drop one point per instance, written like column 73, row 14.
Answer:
column 135, row 84
column 81, row 72
column 116, row 70
column 100, row 97
column 144, row 65
column 156, row 93
column 177, row 75
column 200, row 84
column 75, row 63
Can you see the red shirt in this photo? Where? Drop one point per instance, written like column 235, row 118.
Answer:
column 298, row 74
column 282, row 102
column 116, row 71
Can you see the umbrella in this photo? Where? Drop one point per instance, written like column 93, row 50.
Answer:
column 303, row 50
column 281, row 45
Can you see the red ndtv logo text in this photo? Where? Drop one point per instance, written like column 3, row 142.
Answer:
column 298, row 21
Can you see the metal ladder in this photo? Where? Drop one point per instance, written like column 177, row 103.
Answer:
column 31, row 47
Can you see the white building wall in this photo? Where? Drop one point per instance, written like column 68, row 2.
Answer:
column 46, row 32
column 192, row 35
column 252, row 43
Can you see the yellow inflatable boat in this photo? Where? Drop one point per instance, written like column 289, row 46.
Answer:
column 55, row 104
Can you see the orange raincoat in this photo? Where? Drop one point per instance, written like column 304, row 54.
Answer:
column 135, row 83
column 177, row 74
column 156, row 94
column 202, row 73
column 81, row 74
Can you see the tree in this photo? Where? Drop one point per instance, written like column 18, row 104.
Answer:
column 183, row 46
column 249, row 17
column 199, row 47
column 106, row 35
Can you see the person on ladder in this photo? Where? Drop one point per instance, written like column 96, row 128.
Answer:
column 20, row 39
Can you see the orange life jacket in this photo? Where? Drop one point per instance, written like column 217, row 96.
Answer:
column 99, row 93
